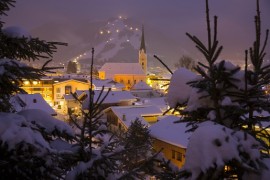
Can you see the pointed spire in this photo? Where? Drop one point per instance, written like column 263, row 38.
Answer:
column 142, row 41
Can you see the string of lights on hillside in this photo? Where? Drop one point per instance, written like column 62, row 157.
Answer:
column 103, row 32
column 111, row 30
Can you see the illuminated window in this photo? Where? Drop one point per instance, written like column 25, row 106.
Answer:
column 58, row 90
column 67, row 89
column 177, row 155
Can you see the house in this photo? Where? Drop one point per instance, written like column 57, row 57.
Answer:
column 44, row 86
column 120, row 118
column 31, row 101
column 66, row 87
column 171, row 138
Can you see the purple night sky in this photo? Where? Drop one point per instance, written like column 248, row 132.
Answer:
column 175, row 17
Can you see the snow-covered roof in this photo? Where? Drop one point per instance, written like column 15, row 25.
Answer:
column 134, row 112
column 68, row 97
column 31, row 101
column 107, row 83
column 113, row 96
column 168, row 131
column 160, row 102
column 84, row 81
column 67, row 76
column 121, row 68
column 141, row 86
column 141, row 110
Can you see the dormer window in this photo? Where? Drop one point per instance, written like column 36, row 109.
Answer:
column 67, row 90
column 34, row 100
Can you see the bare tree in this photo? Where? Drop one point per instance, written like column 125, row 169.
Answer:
column 186, row 62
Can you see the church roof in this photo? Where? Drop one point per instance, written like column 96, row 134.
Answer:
column 121, row 68
column 143, row 41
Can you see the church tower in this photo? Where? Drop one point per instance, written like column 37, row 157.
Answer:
column 142, row 53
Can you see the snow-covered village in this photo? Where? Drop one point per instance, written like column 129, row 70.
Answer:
column 164, row 91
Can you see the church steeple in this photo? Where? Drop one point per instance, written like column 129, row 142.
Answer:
column 143, row 41
column 142, row 53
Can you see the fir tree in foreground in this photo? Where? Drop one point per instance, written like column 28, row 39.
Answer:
column 17, row 46
column 26, row 138
column 227, row 109
column 101, row 154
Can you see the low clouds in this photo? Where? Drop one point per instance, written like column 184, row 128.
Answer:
column 174, row 18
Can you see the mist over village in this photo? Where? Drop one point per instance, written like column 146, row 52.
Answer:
column 129, row 90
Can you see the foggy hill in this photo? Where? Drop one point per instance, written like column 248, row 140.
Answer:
column 114, row 40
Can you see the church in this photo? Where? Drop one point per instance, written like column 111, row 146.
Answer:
column 128, row 74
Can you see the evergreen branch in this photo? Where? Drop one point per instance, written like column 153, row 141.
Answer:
column 215, row 28
column 99, row 96
column 74, row 121
column 265, row 43
column 258, row 28
column 102, row 100
column 198, row 42
column 208, row 26
column 201, row 64
column 217, row 53
column 5, row 6
column 246, row 66
column 155, row 56
column 213, row 50
column 206, row 54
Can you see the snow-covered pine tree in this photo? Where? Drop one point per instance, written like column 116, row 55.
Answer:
column 101, row 154
column 28, row 138
column 253, row 98
column 17, row 45
column 94, row 156
column 223, row 110
column 138, row 159
column 31, row 145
